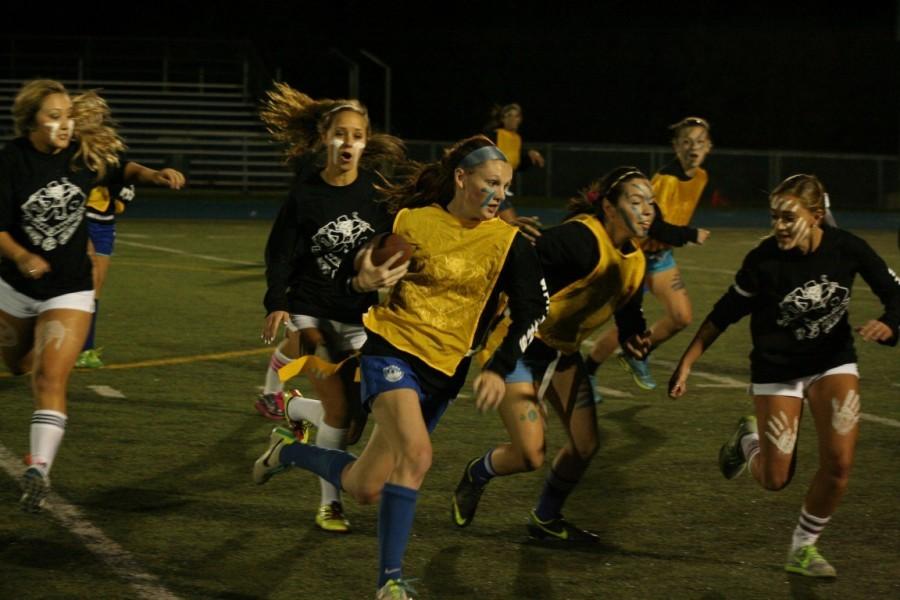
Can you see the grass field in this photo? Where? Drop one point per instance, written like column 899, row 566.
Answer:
column 164, row 473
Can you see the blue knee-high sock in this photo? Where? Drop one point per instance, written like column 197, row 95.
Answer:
column 482, row 470
column 553, row 496
column 395, row 520
column 327, row 464
column 89, row 342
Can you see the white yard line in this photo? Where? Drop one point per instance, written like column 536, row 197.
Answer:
column 185, row 253
column 106, row 391
column 881, row 420
column 114, row 556
column 609, row 392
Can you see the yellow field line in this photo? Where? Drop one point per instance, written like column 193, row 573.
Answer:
column 181, row 360
column 178, row 360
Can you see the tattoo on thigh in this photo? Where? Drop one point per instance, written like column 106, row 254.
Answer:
column 50, row 332
column 782, row 432
column 8, row 336
column 845, row 415
column 678, row 283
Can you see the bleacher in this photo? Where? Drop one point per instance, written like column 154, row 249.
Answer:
column 168, row 113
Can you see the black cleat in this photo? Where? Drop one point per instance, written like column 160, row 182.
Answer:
column 466, row 497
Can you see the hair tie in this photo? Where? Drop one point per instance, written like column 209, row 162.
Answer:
column 592, row 196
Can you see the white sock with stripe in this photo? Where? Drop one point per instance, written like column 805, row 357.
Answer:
column 273, row 383
column 47, row 429
column 809, row 528
column 750, row 446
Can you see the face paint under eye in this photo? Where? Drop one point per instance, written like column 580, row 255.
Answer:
column 54, row 128
column 490, row 196
column 791, row 230
column 631, row 216
column 337, row 146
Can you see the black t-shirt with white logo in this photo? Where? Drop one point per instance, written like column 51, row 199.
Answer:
column 798, row 304
column 318, row 227
column 42, row 206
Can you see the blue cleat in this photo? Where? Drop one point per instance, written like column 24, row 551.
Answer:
column 639, row 370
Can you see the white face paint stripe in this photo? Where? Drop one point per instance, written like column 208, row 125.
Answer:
column 53, row 126
column 356, row 149
column 845, row 415
column 336, row 150
column 800, row 230
column 782, row 433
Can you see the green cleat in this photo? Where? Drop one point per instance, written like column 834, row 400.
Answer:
column 396, row 589
column 731, row 455
column 639, row 370
column 559, row 529
column 466, row 497
column 807, row 561
column 90, row 359
column 267, row 464
column 331, row 518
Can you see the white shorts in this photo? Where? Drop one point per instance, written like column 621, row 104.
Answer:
column 21, row 306
column 797, row 388
column 340, row 337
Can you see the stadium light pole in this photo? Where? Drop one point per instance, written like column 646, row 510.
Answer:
column 387, row 86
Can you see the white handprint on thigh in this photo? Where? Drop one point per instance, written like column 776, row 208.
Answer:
column 845, row 415
column 781, row 433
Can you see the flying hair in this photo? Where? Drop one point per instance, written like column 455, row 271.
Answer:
column 99, row 142
column 298, row 122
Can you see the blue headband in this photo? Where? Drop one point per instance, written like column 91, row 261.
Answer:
column 483, row 154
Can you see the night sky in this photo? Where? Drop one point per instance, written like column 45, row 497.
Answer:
column 766, row 76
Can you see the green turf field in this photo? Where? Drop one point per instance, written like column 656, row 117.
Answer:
column 165, row 472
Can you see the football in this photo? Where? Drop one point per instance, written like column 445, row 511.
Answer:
column 386, row 245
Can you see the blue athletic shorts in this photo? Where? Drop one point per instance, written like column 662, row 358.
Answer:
column 657, row 262
column 103, row 236
column 380, row 374
column 529, row 369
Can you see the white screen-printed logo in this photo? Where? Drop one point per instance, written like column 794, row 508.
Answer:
column 813, row 308
column 336, row 239
column 392, row 373
column 53, row 213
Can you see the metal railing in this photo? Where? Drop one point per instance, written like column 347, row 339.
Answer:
column 737, row 177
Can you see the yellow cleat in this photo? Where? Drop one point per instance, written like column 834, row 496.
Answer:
column 331, row 518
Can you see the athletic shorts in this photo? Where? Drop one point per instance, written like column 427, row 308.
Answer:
column 533, row 368
column 797, row 388
column 25, row 307
column 103, row 236
column 529, row 369
column 340, row 338
column 657, row 262
column 379, row 374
